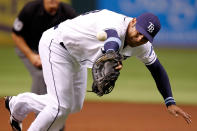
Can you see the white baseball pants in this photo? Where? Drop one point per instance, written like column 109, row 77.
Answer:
column 66, row 84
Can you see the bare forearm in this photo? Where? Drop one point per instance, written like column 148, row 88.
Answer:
column 22, row 45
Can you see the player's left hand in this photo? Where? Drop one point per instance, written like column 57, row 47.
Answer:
column 105, row 72
column 176, row 111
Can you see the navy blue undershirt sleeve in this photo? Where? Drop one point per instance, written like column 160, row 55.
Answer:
column 113, row 41
column 162, row 81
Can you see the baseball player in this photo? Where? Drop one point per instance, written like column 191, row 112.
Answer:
column 68, row 49
column 36, row 17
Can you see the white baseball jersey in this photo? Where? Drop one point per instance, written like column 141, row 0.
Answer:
column 79, row 37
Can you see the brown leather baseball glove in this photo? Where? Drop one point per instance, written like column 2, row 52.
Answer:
column 104, row 73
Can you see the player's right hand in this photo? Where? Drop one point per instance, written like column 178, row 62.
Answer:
column 35, row 60
column 176, row 111
column 119, row 66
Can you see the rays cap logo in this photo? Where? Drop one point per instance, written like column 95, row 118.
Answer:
column 149, row 25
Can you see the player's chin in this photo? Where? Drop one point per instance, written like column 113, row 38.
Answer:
column 53, row 11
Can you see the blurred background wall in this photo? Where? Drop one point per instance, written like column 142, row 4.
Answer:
column 8, row 12
column 178, row 17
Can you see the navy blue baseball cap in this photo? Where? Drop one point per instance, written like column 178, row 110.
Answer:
column 149, row 25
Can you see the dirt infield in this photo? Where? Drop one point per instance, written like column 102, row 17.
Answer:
column 107, row 116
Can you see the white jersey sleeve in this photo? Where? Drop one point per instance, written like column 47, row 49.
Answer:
column 146, row 54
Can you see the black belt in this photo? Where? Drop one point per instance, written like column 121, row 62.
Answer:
column 62, row 44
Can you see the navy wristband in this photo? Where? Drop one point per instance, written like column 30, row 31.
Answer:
column 170, row 101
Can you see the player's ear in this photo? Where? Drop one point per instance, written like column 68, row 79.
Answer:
column 134, row 20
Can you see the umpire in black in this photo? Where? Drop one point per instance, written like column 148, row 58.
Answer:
column 36, row 17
